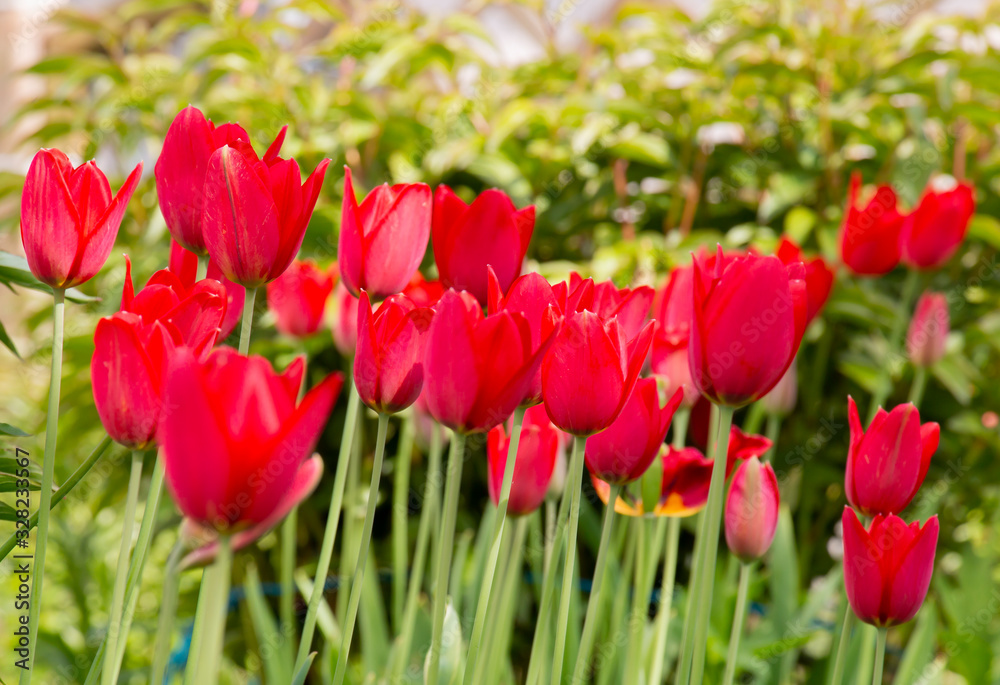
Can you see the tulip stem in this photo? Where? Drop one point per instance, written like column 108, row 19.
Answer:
column 332, row 520
column 286, row 605
column 48, row 472
column 121, row 573
column 879, row 657
column 213, row 603
column 366, row 535
column 202, row 270
column 738, row 617
column 501, row 635
column 713, row 521
column 680, row 426
column 400, row 520
column 247, row 320
column 168, row 612
column 482, row 608
column 884, row 388
column 919, row 384
column 845, row 634
column 446, row 541
column 666, row 599
column 428, row 516
column 594, row 602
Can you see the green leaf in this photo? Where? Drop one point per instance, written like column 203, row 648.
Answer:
column 269, row 637
column 8, row 343
column 7, row 429
column 920, row 646
column 303, row 673
column 643, row 147
column 14, row 271
column 799, row 223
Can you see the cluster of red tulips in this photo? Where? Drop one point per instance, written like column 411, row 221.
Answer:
column 483, row 349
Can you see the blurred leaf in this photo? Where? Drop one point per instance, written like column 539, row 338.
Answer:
column 7, row 429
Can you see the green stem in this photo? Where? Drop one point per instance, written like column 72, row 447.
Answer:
column 590, row 619
column 202, row 270
column 918, row 387
column 550, row 530
column 428, row 515
column 400, row 520
column 879, row 657
column 845, row 637
column 491, row 563
column 666, row 599
column 884, row 388
column 680, row 425
column 286, row 577
column 332, row 520
column 215, row 584
column 61, row 493
column 572, row 522
column 48, row 471
column 640, row 605
column 771, row 432
column 640, row 602
column 712, row 523
column 738, row 617
column 366, row 535
column 168, row 612
column 121, row 573
column 499, row 646
column 247, row 320
column 456, row 459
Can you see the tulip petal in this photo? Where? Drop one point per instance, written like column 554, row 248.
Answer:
column 97, row 244
column 50, row 224
column 907, row 588
column 863, row 578
column 450, row 368
column 125, row 393
column 396, row 240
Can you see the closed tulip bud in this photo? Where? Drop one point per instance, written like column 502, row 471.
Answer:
column 383, row 240
column 298, row 298
column 590, row 372
column 888, row 568
column 184, row 263
column 933, row 232
column 925, row 341
column 180, row 173
column 489, row 232
column 782, row 398
column 478, row 369
column 622, row 452
column 887, row 463
column 133, row 347
column 869, row 239
column 752, row 510
column 685, row 476
column 69, row 220
column 749, row 316
column 344, row 315
column 388, row 364
column 537, row 453
column 818, row 276
column 227, row 474
column 256, row 210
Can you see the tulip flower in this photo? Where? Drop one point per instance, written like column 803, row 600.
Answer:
column 344, row 313
column 887, row 463
column 932, row 233
column 743, row 446
column 256, row 210
column 383, row 240
column 622, row 452
column 388, row 364
column 869, row 240
column 671, row 334
column 132, row 349
column 184, row 263
column 69, row 220
column 424, row 293
column 686, row 474
column 818, row 276
column 233, row 436
column 537, row 453
column 630, row 306
column 478, row 370
column 589, row 374
column 180, row 173
column 751, row 515
column 888, row 568
column 298, row 298
column 489, row 232
column 749, row 316
column 928, row 331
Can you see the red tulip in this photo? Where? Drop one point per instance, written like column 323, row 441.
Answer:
column 630, row 306
column 232, row 437
column 888, row 568
column 672, row 331
column 887, row 463
column 468, row 238
column 749, row 316
column 133, row 347
column 424, row 293
column 589, row 374
column 869, row 241
column 751, row 516
column 932, row 233
column 478, row 370
column 819, row 276
column 256, row 210
column 574, row 295
column 345, row 320
column 928, row 332
column 180, row 173
column 383, row 240
column 69, row 221
column 622, row 452
column 743, row 446
column 537, row 453
column 388, row 365
column 687, row 474
column 298, row 298
column 184, row 263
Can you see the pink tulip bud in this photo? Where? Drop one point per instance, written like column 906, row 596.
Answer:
column 752, row 510
column 928, row 332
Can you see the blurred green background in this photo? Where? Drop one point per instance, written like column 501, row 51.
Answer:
column 648, row 135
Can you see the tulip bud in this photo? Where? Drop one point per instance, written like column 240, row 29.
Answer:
column 928, row 332
column 537, row 452
column 752, row 510
column 869, row 240
column 298, row 298
column 781, row 400
column 935, row 229
column 888, row 568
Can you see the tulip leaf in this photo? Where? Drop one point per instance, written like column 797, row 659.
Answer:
column 269, row 637
column 303, row 673
column 14, row 431
column 919, row 647
column 7, row 512
column 14, row 271
column 7, row 342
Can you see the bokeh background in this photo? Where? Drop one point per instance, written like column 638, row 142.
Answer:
column 640, row 130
